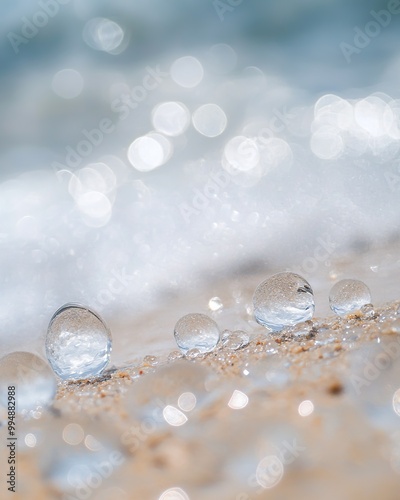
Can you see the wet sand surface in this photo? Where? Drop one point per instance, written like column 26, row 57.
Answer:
column 312, row 412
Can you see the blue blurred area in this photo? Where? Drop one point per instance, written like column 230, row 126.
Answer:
column 298, row 39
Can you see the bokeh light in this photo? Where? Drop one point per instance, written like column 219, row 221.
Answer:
column 171, row 118
column 67, row 83
column 209, row 120
column 187, row 72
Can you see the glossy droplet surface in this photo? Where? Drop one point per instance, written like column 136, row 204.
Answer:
column 348, row 296
column 34, row 382
column 284, row 299
column 234, row 340
column 196, row 331
column 78, row 343
column 368, row 311
column 215, row 304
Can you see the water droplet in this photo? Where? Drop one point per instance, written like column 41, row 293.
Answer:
column 348, row 296
column 234, row 340
column 150, row 360
column 194, row 354
column 368, row 311
column 284, row 299
column 174, row 355
column 34, row 382
column 303, row 328
column 215, row 304
column 196, row 331
column 78, row 343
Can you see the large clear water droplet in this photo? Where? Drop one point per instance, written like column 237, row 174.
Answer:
column 348, row 296
column 284, row 299
column 196, row 331
column 78, row 343
column 34, row 382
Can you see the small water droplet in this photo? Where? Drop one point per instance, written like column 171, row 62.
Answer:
column 215, row 304
column 368, row 311
column 150, row 360
column 34, row 382
column 284, row 299
column 174, row 355
column 234, row 340
column 193, row 354
column 196, row 331
column 348, row 296
column 78, row 343
column 303, row 328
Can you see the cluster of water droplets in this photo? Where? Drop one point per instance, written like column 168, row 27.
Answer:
column 283, row 303
column 177, row 397
column 78, row 343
